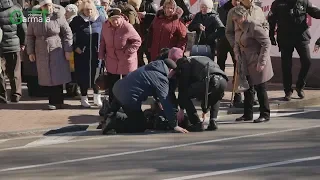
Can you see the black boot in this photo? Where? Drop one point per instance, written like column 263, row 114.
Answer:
column 300, row 93
column 212, row 125
column 198, row 127
column 288, row 95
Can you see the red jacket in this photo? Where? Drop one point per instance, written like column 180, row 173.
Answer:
column 166, row 32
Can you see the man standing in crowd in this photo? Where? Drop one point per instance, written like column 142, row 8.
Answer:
column 12, row 42
column 223, row 46
column 292, row 33
column 132, row 90
column 200, row 77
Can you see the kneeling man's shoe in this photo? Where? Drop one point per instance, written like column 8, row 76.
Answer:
column 212, row 125
column 196, row 127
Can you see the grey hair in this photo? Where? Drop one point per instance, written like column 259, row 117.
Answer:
column 72, row 8
column 240, row 11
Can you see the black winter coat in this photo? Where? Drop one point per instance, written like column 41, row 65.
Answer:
column 214, row 27
column 290, row 17
column 13, row 34
column 151, row 8
column 191, row 71
column 224, row 10
column 87, row 38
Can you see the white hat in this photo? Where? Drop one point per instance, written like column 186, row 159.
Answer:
column 208, row 3
column 44, row 2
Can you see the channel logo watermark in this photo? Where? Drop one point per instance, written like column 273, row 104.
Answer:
column 17, row 17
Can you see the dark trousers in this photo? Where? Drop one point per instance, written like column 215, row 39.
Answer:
column 216, row 90
column 34, row 89
column 143, row 50
column 111, row 80
column 262, row 98
column 11, row 66
column 131, row 121
column 55, row 94
column 222, row 54
column 84, row 90
column 172, row 90
column 286, row 59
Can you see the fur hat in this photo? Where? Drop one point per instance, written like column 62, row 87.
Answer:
column 175, row 54
column 135, row 3
column 208, row 3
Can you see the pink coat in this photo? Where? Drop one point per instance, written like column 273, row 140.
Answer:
column 118, row 47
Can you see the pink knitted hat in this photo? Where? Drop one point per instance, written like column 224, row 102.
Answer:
column 175, row 54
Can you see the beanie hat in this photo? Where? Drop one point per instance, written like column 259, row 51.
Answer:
column 208, row 3
column 135, row 3
column 171, row 64
column 175, row 54
column 44, row 2
column 72, row 8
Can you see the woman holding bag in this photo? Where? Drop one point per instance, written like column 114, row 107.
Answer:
column 252, row 51
column 208, row 26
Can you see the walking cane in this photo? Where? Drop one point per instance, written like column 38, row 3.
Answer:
column 235, row 75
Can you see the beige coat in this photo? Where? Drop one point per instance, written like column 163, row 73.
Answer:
column 252, row 47
column 255, row 13
column 49, row 41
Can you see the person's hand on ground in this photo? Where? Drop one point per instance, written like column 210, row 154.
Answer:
column 180, row 129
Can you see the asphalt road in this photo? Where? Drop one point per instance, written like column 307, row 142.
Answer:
column 287, row 147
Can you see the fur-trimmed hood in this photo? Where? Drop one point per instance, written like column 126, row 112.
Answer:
column 178, row 14
column 58, row 10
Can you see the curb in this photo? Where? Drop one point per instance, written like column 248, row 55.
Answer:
column 294, row 104
column 223, row 113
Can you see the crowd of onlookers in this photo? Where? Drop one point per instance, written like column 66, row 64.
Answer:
column 85, row 39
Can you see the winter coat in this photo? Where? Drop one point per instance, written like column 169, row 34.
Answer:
column 49, row 41
column 87, row 38
column 166, row 33
column 131, row 13
column 102, row 13
column 255, row 12
column 214, row 27
column 151, row 8
column 13, row 33
column 148, row 80
column 119, row 46
column 252, row 47
column 224, row 10
column 191, row 73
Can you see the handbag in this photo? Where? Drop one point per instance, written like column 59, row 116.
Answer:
column 201, row 50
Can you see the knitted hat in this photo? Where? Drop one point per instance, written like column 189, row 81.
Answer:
column 171, row 64
column 135, row 3
column 114, row 12
column 72, row 8
column 175, row 54
column 208, row 3
column 44, row 2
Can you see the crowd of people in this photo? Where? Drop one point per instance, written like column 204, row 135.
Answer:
column 88, row 38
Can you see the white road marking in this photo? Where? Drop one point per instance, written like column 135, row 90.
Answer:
column 150, row 150
column 215, row 173
column 3, row 140
column 50, row 140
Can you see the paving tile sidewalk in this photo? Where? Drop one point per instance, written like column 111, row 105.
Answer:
column 31, row 114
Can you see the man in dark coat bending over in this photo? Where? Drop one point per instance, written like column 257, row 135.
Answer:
column 132, row 90
column 200, row 77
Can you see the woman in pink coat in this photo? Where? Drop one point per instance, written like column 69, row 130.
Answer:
column 119, row 44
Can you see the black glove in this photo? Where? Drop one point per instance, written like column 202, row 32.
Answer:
column 273, row 41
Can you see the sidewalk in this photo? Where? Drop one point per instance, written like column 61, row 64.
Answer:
column 31, row 114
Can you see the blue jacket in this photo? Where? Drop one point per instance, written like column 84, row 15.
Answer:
column 148, row 80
